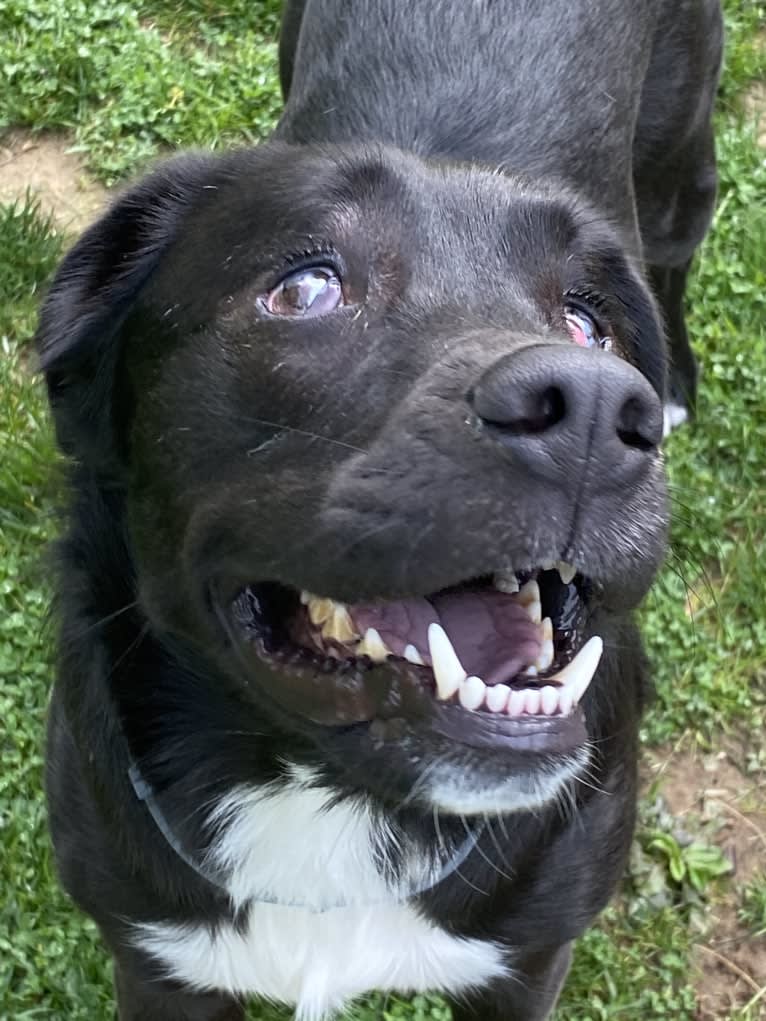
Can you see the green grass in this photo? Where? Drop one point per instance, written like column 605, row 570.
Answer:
column 129, row 80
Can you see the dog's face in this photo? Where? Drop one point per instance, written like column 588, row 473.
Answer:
column 355, row 402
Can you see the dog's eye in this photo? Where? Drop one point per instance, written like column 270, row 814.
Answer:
column 306, row 292
column 583, row 330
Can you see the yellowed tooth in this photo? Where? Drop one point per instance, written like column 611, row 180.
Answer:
column 339, row 627
column 566, row 571
column 320, row 610
column 546, row 630
column 529, row 597
column 372, row 645
column 506, row 581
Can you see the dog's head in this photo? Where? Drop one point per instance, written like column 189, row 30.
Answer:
column 388, row 434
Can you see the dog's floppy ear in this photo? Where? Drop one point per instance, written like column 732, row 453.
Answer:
column 93, row 292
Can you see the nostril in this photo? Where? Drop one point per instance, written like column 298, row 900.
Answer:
column 527, row 413
column 636, row 425
column 548, row 410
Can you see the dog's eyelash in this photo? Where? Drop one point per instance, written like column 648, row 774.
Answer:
column 592, row 299
column 318, row 250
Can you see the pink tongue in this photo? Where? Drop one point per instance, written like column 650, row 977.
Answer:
column 492, row 635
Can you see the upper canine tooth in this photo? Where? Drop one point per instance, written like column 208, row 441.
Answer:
column 506, row 581
column 566, row 571
column 546, row 630
column 578, row 674
column 447, row 668
column 372, row 645
column 320, row 610
column 339, row 626
column 472, row 692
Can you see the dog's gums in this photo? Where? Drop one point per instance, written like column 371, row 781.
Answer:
column 484, row 646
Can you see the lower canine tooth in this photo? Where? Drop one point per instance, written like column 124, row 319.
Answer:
column 497, row 698
column 372, row 645
column 577, row 675
column 549, row 700
column 447, row 668
column 472, row 692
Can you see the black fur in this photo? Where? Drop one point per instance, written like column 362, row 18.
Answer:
column 351, row 455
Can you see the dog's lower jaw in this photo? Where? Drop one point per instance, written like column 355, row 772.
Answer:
column 453, row 792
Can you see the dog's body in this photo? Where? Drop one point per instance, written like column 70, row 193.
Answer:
column 342, row 363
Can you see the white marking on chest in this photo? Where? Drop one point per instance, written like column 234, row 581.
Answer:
column 293, row 846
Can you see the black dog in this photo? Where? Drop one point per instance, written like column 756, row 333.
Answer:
column 330, row 403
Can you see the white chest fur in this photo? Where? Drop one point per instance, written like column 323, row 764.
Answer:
column 289, row 845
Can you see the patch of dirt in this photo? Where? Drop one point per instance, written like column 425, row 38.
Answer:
column 725, row 792
column 42, row 164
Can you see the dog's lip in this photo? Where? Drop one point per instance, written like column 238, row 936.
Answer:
column 392, row 696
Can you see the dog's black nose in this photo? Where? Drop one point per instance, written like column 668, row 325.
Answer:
column 554, row 408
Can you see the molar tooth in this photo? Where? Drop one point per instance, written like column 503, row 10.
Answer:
column 472, row 692
column 412, row 655
column 306, row 597
column 566, row 571
column 497, row 698
column 516, row 702
column 320, row 610
column 339, row 626
column 577, row 675
column 548, row 565
column 532, row 701
column 549, row 699
column 506, row 581
column 447, row 668
column 372, row 645
column 529, row 598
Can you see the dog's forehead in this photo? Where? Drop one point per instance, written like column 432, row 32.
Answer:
column 439, row 222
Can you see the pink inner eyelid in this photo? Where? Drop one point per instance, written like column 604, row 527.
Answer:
column 576, row 331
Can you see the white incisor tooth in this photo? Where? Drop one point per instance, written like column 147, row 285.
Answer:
column 566, row 571
column 549, row 699
column 472, row 692
column 447, row 668
column 372, row 645
column 577, row 675
column 497, row 697
column 412, row 655
column 529, row 598
column 506, row 581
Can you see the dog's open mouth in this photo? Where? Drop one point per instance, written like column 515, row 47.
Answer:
column 509, row 647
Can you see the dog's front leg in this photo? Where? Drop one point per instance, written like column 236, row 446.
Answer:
column 529, row 993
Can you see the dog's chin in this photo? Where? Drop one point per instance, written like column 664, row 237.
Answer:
column 490, row 672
